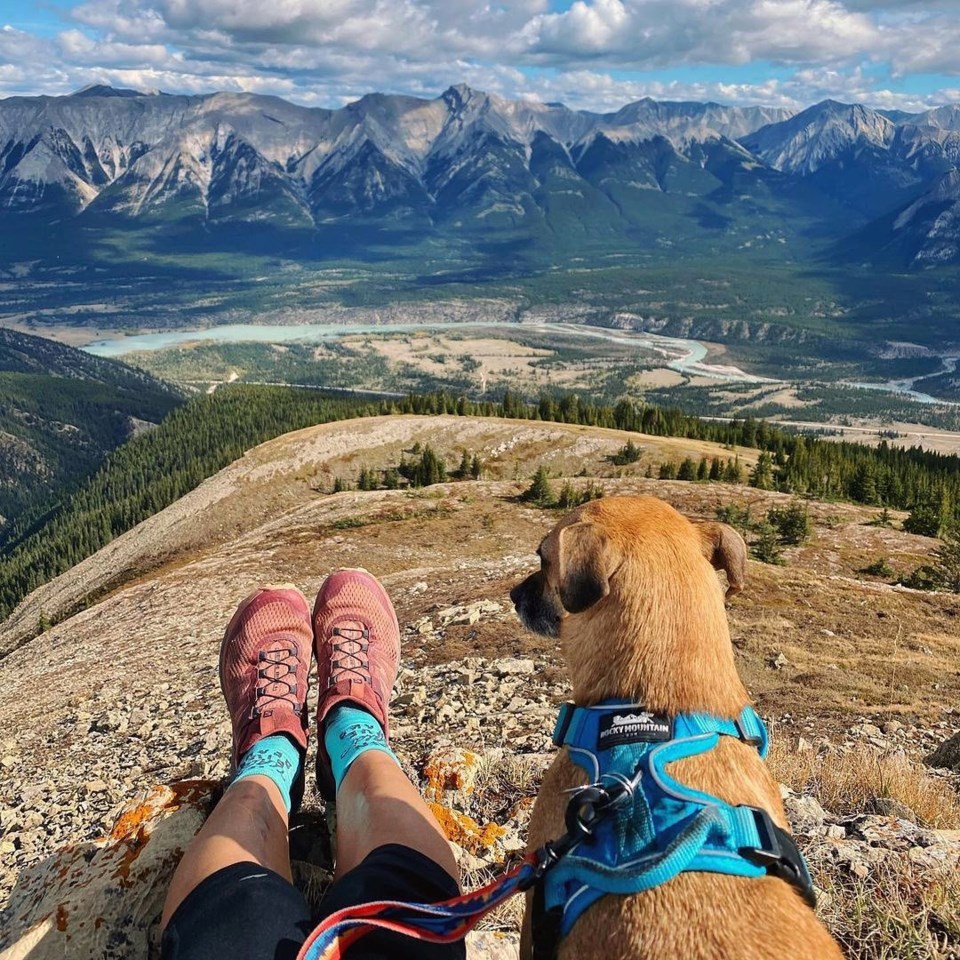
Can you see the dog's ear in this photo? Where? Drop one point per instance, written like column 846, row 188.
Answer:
column 726, row 551
column 586, row 558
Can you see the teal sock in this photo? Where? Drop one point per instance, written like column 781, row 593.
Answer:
column 275, row 757
column 349, row 732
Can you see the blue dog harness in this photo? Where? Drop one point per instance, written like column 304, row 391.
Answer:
column 659, row 827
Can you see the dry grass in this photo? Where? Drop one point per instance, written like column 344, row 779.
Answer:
column 519, row 773
column 845, row 781
column 900, row 912
column 508, row 917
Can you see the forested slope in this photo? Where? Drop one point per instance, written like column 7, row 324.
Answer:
column 61, row 412
column 156, row 468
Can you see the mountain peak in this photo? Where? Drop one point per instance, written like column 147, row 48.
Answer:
column 105, row 90
column 461, row 93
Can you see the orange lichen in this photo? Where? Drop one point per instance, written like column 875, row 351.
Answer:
column 133, row 848
column 446, row 772
column 465, row 831
column 199, row 793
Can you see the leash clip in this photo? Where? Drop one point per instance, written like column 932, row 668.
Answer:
column 587, row 808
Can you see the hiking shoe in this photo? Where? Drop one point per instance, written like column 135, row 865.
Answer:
column 357, row 645
column 264, row 671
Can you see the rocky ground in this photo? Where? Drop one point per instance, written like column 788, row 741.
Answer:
column 123, row 695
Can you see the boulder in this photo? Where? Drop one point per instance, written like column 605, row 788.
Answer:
column 103, row 898
column 947, row 754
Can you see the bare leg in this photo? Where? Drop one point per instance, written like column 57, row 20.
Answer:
column 249, row 824
column 377, row 805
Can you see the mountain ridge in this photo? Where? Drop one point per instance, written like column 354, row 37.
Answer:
column 61, row 412
column 466, row 166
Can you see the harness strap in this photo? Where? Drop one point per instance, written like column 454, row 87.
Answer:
column 668, row 827
column 574, row 724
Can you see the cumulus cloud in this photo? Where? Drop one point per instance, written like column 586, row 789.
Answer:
column 595, row 54
column 668, row 32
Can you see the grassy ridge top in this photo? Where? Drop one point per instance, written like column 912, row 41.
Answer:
column 155, row 469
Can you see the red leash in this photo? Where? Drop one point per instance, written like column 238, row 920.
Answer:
column 451, row 920
column 443, row 922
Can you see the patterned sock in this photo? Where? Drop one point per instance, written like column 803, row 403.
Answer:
column 276, row 757
column 349, row 732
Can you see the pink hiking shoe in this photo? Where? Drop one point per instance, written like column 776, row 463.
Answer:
column 357, row 645
column 264, row 670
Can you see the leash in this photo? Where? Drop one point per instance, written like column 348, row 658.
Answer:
column 451, row 920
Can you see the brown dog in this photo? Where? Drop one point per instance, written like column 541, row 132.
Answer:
column 628, row 586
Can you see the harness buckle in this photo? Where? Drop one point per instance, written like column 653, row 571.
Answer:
column 754, row 740
column 779, row 855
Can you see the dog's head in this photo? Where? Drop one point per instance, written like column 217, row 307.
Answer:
column 628, row 585
column 639, row 542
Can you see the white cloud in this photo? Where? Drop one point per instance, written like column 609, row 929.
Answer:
column 592, row 56
column 668, row 32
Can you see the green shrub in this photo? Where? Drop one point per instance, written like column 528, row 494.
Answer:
column 736, row 516
column 879, row 568
column 540, row 491
column 766, row 547
column 792, row 523
column 628, row 453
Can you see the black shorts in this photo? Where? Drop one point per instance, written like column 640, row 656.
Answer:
column 247, row 912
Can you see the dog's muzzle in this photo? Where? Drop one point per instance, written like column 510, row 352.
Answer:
column 538, row 608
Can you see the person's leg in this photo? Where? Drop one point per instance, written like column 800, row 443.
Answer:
column 264, row 669
column 248, row 825
column 377, row 805
column 357, row 646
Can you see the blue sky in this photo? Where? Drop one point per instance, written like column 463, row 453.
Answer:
column 593, row 54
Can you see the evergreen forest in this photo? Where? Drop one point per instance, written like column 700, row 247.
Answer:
column 196, row 440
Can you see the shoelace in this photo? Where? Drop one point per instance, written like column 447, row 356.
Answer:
column 286, row 658
column 350, row 656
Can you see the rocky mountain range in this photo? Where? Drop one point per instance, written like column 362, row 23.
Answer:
column 473, row 168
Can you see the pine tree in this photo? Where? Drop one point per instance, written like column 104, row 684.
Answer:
column 792, row 523
column 391, row 478
column 703, row 470
column 476, row 467
column 732, row 471
column 540, row 491
column 946, row 565
column 688, row 470
column 367, row 479
column 863, row 486
column 569, row 498
column 628, row 453
column 924, row 520
column 766, row 546
column 761, row 476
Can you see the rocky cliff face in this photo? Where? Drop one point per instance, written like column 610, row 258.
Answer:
column 139, row 155
column 121, row 696
column 465, row 161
